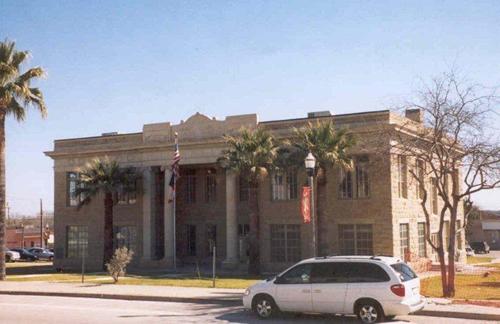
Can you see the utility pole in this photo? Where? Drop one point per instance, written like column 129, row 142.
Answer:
column 41, row 223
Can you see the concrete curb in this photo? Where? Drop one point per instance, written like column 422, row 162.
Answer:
column 471, row 316
column 228, row 302
column 198, row 300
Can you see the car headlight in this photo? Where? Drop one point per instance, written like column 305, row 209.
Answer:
column 247, row 292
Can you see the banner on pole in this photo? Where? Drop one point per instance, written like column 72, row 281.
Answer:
column 305, row 204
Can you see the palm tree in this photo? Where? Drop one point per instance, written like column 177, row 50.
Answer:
column 102, row 176
column 330, row 147
column 251, row 154
column 16, row 95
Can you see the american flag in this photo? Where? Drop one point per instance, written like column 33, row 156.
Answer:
column 175, row 164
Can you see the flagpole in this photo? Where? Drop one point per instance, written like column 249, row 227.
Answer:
column 173, row 207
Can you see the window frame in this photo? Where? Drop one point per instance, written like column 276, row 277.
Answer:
column 287, row 188
column 211, row 186
column 355, row 183
column 402, row 176
column 285, row 249
column 75, row 245
column 357, row 230
column 190, row 186
column 422, row 246
column 406, row 227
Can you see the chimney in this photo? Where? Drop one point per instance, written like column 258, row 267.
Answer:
column 415, row 114
column 316, row 114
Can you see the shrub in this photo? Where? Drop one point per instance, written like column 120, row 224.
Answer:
column 118, row 263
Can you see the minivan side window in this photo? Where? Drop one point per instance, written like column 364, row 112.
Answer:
column 300, row 274
column 405, row 271
column 330, row 272
column 367, row 272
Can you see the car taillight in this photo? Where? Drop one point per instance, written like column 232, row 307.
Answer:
column 398, row 290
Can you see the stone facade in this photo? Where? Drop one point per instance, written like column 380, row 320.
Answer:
column 211, row 209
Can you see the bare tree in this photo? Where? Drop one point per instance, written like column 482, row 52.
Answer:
column 454, row 154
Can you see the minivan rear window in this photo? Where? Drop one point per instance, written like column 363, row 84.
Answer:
column 405, row 271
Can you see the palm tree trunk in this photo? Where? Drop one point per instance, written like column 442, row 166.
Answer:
column 108, row 228
column 253, row 202
column 2, row 196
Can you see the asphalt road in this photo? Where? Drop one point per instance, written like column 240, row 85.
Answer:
column 53, row 310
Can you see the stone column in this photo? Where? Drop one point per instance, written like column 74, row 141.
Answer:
column 231, row 260
column 168, row 214
column 147, row 199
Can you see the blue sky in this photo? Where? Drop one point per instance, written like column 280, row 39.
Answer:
column 116, row 65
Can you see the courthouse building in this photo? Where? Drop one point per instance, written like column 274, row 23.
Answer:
column 374, row 209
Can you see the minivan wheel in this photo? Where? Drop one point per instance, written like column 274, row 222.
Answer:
column 369, row 312
column 264, row 307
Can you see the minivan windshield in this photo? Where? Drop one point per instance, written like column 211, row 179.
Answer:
column 405, row 271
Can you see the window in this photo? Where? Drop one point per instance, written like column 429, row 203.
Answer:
column 76, row 241
column 419, row 185
column 421, row 240
column 191, row 240
column 402, row 176
column 285, row 243
column 362, row 184
column 128, row 196
column 284, row 185
column 125, row 236
column 243, row 188
column 404, row 239
column 211, row 238
column 356, row 239
column 300, row 274
column 355, row 183
column 190, row 186
column 72, row 183
column 367, row 272
column 405, row 271
column 330, row 272
column 345, row 190
column 243, row 229
column 211, row 186
column 434, row 196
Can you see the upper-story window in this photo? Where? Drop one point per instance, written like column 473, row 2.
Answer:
column 419, row 184
column 244, row 188
column 402, row 176
column 190, row 186
column 362, row 184
column 211, row 186
column 128, row 196
column 71, row 184
column 355, row 183
column 284, row 185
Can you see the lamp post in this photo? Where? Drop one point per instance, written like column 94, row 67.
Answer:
column 310, row 163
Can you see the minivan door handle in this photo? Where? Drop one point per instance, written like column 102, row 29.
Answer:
column 317, row 290
column 306, row 291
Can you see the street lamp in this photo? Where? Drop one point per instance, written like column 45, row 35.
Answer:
column 310, row 163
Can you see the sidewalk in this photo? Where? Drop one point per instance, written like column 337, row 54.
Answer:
column 435, row 307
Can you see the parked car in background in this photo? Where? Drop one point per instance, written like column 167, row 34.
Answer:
column 373, row 288
column 42, row 254
column 480, row 247
column 25, row 254
column 469, row 251
column 11, row 256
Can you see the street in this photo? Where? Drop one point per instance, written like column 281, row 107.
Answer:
column 50, row 310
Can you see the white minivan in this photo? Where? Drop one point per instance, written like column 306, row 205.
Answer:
column 371, row 287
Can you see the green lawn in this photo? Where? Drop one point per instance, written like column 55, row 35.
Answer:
column 466, row 286
column 232, row 283
column 478, row 259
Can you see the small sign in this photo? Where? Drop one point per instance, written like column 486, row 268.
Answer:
column 305, row 204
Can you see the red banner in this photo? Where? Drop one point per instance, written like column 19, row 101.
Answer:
column 305, row 204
